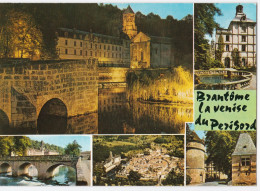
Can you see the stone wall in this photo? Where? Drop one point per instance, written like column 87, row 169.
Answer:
column 26, row 86
column 243, row 175
column 195, row 162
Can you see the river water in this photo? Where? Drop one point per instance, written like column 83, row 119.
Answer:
column 64, row 176
column 116, row 115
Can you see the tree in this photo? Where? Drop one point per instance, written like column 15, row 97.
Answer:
column 220, row 49
column 20, row 36
column 73, row 149
column 21, row 144
column 236, row 57
column 174, row 178
column 220, row 146
column 134, row 176
column 204, row 23
column 6, row 145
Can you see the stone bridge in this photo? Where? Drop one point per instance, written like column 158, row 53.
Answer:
column 48, row 97
column 45, row 165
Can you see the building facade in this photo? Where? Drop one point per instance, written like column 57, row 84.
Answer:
column 108, row 50
column 132, row 48
column 239, row 41
column 244, row 161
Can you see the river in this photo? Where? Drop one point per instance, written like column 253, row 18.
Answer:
column 64, row 176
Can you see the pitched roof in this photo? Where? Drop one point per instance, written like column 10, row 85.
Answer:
column 245, row 145
column 128, row 10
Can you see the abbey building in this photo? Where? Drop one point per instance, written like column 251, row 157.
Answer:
column 133, row 49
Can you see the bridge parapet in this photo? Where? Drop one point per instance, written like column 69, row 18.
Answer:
column 53, row 158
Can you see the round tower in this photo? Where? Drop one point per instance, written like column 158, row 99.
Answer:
column 195, row 162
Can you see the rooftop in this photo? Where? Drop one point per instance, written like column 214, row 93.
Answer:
column 245, row 145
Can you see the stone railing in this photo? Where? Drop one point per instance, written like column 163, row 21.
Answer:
column 53, row 158
column 239, row 84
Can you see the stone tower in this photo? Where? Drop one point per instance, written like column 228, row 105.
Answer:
column 129, row 26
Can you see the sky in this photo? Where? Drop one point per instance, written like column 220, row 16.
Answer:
column 229, row 12
column 199, row 133
column 177, row 10
column 63, row 140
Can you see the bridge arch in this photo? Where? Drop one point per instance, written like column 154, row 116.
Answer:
column 27, row 169
column 4, row 122
column 52, row 118
column 51, row 170
column 5, row 168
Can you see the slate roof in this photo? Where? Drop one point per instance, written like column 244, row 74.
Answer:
column 245, row 145
column 128, row 10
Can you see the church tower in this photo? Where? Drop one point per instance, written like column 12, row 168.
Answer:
column 129, row 26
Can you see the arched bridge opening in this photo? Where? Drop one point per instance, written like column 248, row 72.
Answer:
column 27, row 169
column 5, row 168
column 4, row 122
column 61, row 174
column 53, row 117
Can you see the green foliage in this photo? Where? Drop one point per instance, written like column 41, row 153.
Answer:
column 134, row 176
column 204, row 23
column 72, row 149
column 6, row 145
column 172, row 85
column 174, row 178
column 220, row 49
column 220, row 146
column 22, row 143
column 236, row 57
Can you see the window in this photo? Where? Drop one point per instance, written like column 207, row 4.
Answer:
column 80, row 44
column 116, row 48
column 96, row 46
column 90, row 53
column 66, row 42
column 91, row 45
column 243, row 28
column 227, row 37
column 142, row 56
column 75, row 52
column 120, row 48
column 95, row 54
column 100, row 46
column 86, row 53
column 227, row 47
column 243, row 38
column 245, row 161
column 75, row 43
column 80, row 52
column 66, row 51
column 112, row 55
column 112, row 47
column 108, row 54
column 104, row 54
column 104, row 47
column 108, row 47
column 243, row 47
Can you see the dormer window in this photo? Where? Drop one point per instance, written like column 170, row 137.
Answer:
column 66, row 34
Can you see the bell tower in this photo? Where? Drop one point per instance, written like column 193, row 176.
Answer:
column 129, row 26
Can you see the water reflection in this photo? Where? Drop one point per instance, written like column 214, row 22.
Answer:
column 117, row 115
column 63, row 176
